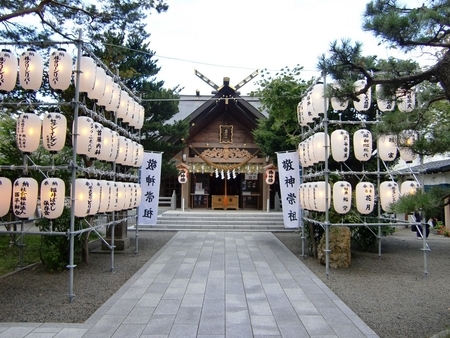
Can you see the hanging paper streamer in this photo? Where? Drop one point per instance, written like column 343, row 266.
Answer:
column 289, row 171
column 150, row 182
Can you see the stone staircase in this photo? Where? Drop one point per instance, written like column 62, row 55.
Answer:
column 218, row 220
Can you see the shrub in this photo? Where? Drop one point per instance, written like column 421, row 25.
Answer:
column 55, row 250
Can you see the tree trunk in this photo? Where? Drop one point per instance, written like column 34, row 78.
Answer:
column 442, row 73
column 312, row 238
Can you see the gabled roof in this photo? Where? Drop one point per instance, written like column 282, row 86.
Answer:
column 200, row 111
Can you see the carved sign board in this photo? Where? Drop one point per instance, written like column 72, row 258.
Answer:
column 226, row 133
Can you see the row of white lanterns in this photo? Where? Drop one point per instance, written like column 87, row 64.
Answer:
column 314, row 103
column 92, row 196
column 312, row 149
column 94, row 81
column 94, row 140
column 104, row 144
column 313, row 195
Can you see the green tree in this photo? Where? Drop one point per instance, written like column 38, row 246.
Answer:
column 40, row 20
column 423, row 29
column 407, row 29
column 279, row 95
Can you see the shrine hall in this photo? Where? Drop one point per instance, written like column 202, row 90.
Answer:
column 224, row 167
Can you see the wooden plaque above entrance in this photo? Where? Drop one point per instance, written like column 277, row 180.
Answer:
column 226, row 133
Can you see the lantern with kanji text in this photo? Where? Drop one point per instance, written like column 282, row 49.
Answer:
column 53, row 192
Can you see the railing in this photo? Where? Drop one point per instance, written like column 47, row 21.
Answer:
column 168, row 201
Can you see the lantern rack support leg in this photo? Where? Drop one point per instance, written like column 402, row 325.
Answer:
column 21, row 245
column 379, row 242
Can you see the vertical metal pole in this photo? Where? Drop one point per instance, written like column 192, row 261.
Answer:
column 74, row 170
column 21, row 245
column 424, row 228
column 327, row 176
column 378, row 189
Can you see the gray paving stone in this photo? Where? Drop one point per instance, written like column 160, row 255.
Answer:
column 264, row 326
column 159, row 325
column 215, row 285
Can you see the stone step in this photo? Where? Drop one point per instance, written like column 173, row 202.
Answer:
column 219, row 220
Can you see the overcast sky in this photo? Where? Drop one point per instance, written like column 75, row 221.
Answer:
column 233, row 38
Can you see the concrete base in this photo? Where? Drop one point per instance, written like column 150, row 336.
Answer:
column 120, row 244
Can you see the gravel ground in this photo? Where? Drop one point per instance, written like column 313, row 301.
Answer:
column 391, row 294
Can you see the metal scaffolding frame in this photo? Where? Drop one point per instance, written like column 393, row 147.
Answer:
column 382, row 221
column 73, row 166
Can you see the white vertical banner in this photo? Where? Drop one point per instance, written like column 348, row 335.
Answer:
column 289, row 173
column 150, row 182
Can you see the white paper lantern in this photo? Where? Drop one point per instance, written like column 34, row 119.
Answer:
column 309, row 106
column 270, row 176
column 140, row 157
column 60, row 69
column 132, row 108
column 409, row 188
column 124, row 149
column 129, row 197
column 107, row 145
column 299, row 113
column 122, row 111
column 106, row 98
column 384, row 104
column 97, row 91
column 98, row 142
column 365, row 197
column 138, row 195
column 365, row 99
column 319, row 101
column 302, row 154
column 140, row 119
column 321, row 142
column 83, row 197
column 342, row 197
column 96, row 195
column 310, row 151
column 8, row 70
column 135, row 154
column 309, row 203
column 389, row 194
column 340, row 145
column 31, row 70
column 114, row 197
column 54, row 128
column 24, row 197
column 28, row 132
column 183, row 175
column 131, row 153
column 407, row 137
column 362, row 145
column 121, row 196
column 53, row 193
column 5, row 195
column 115, row 146
column 106, row 196
column 406, row 100
column 387, row 147
column 113, row 105
column 86, row 135
column 87, row 71
column 320, row 194
column 307, row 116
column 338, row 103
column 302, row 195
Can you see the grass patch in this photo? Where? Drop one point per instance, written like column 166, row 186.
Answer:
column 10, row 252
